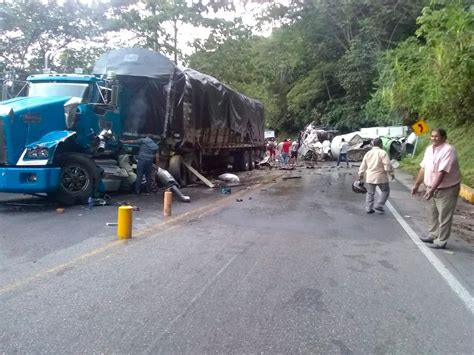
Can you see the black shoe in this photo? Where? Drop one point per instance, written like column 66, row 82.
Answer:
column 379, row 209
column 370, row 211
column 427, row 240
column 437, row 246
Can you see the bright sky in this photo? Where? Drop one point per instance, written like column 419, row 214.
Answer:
column 188, row 34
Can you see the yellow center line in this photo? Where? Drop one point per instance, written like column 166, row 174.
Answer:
column 153, row 231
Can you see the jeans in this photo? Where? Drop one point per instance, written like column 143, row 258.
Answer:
column 341, row 157
column 369, row 198
column 284, row 158
column 144, row 167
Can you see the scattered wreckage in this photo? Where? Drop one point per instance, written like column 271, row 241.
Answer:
column 318, row 144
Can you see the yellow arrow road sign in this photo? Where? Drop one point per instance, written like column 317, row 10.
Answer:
column 420, row 127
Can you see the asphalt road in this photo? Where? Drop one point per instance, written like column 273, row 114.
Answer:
column 292, row 266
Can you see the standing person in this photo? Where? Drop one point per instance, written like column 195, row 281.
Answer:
column 271, row 146
column 376, row 167
column 294, row 151
column 285, row 151
column 279, row 148
column 441, row 175
column 147, row 154
column 343, row 148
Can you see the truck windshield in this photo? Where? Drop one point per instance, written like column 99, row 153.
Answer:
column 78, row 90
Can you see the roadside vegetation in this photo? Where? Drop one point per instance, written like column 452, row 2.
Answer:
column 341, row 64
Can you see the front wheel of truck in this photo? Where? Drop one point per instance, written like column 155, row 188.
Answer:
column 78, row 179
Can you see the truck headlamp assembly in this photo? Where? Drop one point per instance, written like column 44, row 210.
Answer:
column 37, row 153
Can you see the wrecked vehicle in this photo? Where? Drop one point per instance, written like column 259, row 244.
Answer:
column 358, row 146
column 393, row 138
column 66, row 133
column 315, row 143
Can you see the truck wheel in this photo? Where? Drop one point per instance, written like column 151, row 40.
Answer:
column 78, row 179
column 177, row 169
column 241, row 161
column 190, row 177
column 251, row 159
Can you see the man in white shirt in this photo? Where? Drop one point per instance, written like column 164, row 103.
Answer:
column 376, row 167
column 294, row 152
column 343, row 148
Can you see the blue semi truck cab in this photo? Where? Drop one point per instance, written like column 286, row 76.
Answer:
column 50, row 138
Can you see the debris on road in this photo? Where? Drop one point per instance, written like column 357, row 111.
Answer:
column 170, row 183
column 265, row 162
column 228, row 177
column 226, row 190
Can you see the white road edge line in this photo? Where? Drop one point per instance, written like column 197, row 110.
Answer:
column 455, row 285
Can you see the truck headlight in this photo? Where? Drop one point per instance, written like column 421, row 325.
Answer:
column 37, row 153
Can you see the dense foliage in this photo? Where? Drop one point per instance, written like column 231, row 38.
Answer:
column 431, row 74
column 321, row 65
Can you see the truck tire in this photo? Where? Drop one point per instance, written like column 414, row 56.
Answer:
column 78, row 179
column 177, row 169
column 251, row 159
column 190, row 177
column 241, row 161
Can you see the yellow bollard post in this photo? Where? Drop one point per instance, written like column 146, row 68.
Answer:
column 124, row 228
column 168, row 199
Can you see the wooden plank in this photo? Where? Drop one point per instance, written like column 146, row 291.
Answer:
column 200, row 177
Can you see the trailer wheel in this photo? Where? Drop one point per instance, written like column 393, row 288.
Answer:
column 190, row 177
column 241, row 161
column 78, row 179
column 177, row 169
column 251, row 159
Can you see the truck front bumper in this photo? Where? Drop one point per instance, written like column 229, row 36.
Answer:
column 29, row 180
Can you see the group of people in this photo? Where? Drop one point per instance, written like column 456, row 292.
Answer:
column 286, row 150
column 439, row 171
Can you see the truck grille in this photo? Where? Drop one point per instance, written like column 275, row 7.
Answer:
column 3, row 144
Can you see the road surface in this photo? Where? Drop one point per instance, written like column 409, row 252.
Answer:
column 293, row 265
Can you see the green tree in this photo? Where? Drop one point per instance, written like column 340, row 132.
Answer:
column 31, row 29
column 431, row 75
column 156, row 23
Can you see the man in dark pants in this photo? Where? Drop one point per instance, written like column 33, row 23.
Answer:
column 147, row 154
column 343, row 148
